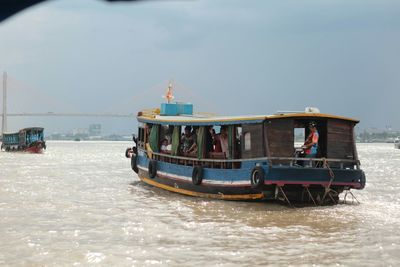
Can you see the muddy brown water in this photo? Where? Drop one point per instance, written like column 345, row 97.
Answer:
column 79, row 204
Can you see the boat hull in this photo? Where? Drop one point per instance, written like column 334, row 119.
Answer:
column 35, row 148
column 294, row 183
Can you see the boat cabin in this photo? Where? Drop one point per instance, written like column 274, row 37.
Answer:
column 181, row 137
column 11, row 138
column 31, row 135
column 22, row 139
column 305, row 157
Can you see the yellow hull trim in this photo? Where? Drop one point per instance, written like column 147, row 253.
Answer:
column 199, row 194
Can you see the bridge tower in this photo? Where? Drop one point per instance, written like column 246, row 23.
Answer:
column 4, row 115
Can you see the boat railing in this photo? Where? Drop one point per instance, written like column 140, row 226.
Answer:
column 235, row 163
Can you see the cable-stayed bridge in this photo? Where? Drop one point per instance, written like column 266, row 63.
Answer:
column 54, row 114
column 4, row 115
column 57, row 104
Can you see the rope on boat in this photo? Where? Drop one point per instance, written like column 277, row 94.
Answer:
column 352, row 195
column 284, row 195
column 328, row 189
column 310, row 195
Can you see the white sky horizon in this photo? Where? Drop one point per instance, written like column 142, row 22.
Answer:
column 228, row 57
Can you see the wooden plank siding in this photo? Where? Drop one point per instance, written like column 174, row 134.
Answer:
column 340, row 139
column 280, row 136
column 257, row 141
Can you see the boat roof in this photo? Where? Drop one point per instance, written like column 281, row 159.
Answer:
column 153, row 116
column 26, row 129
column 9, row 133
column 32, row 128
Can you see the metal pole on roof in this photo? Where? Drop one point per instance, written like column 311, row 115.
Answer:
column 4, row 115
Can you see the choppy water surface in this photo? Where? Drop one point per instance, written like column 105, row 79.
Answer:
column 80, row 204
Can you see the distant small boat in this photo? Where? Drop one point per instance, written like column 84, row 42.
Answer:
column 397, row 143
column 77, row 139
column 26, row 140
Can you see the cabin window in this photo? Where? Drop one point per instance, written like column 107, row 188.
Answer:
column 188, row 142
column 247, row 141
column 147, row 130
column 166, row 138
column 239, row 133
column 302, row 131
column 237, row 146
column 253, row 145
column 213, row 142
column 141, row 137
column 299, row 136
column 140, row 134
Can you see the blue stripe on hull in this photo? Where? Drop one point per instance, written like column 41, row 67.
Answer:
column 273, row 175
column 223, row 176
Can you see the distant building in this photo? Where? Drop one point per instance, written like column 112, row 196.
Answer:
column 95, row 130
column 79, row 131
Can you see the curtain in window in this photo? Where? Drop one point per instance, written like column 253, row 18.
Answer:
column 231, row 139
column 176, row 137
column 200, row 142
column 154, row 137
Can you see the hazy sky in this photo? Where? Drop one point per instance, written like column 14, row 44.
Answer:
column 228, row 57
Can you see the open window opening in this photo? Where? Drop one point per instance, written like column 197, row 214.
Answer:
column 302, row 133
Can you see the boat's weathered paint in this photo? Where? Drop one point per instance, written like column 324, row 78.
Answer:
column 234, row 184
column 37, row 147
column 260, row 162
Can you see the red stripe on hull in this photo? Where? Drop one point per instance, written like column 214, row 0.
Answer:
column 34, row 150
column 282, row 183
column 268, row 182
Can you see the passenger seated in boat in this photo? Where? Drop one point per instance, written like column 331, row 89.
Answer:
column 194, row 133
column 187, row 140
column 216, row 141
column 192, row 151
column 224, row 141
column 209, row 139
column 165, row 147
column 168, row 133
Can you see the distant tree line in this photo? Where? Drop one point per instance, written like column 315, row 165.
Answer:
column 368, row 137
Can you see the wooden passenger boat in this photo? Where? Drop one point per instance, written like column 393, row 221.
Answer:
column 26, row 140
column 262, row 161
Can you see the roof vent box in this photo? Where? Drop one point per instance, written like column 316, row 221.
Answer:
column 175, row 109
column 312, row 110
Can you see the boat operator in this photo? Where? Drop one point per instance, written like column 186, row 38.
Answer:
column 310, row 146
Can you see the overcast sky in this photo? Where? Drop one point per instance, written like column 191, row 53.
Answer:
column 228, row 57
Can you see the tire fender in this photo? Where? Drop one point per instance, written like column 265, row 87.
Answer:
column 257, row 177
column 134, row 163
column 363, row 180
column 152, row 169
column 197, row 175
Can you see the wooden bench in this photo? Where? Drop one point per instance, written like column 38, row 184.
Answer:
column 217, row 155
